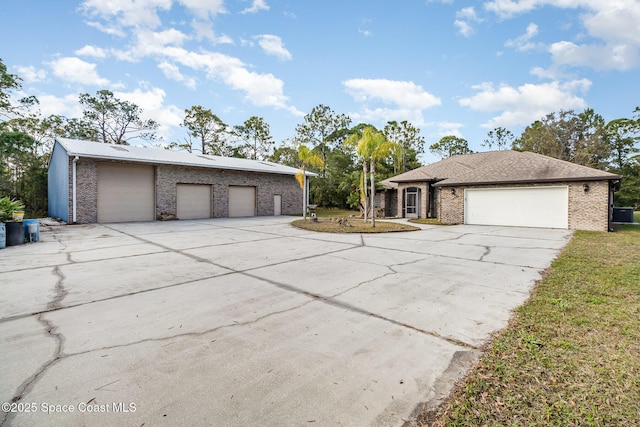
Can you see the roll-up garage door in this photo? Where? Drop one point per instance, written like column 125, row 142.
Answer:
column 193, row 201
column 125, row 192
column 242, row 201
column 546, row 207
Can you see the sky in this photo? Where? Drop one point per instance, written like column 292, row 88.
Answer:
column 449, row 67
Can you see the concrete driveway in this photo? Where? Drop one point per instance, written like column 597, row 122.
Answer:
column 243, row 322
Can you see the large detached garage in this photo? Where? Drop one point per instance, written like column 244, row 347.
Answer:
column 505, row 188
column 94, row 182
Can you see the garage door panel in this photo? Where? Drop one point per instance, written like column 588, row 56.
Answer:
column 125, row 193
column 242, row 201
column 545, row 207
column 193, row 201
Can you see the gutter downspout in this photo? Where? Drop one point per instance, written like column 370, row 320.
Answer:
column 75, row 204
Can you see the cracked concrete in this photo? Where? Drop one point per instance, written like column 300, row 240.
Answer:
column 253, row 322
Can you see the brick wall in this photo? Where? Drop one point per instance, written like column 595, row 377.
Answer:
column 86, row 191
column 424, row 197
column 267, row 185
column 167, row 177
column 587, row 210
column 450, row 206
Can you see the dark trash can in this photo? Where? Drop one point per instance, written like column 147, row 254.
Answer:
column 15, row 233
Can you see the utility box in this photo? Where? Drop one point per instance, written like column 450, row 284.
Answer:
column 623, row 215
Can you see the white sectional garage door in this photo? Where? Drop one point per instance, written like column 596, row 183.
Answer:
column 546, row 207
column 125, row 192
column 193, row 201
column 242, row 201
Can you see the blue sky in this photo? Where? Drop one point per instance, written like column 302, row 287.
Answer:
column 449, row 67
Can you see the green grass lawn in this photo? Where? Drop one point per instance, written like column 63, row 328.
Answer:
column 571, row 353
column 336, row 213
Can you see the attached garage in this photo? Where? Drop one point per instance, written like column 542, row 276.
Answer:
column 125, row 192
column 193, row 201
column 546, row 207
column 242, row 201
column 505, row 187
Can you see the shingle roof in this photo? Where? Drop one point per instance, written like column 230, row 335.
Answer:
column 501, row 167
column 131, row 153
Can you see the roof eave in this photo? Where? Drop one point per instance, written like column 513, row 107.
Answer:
column 528, row 181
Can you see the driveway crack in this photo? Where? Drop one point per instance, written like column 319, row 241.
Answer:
column 29, row 383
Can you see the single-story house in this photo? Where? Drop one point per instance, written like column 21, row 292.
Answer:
column 94, row 182
column 507, row 187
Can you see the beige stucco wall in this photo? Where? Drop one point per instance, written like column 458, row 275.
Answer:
column 588, row 210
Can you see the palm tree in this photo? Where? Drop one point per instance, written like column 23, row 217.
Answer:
column 371, row 146
column 307, row 157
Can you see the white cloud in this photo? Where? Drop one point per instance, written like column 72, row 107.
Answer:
column 75, row 70
column 523, row 43
column 259, row 89
column 598, row 57
column 171, row 71
column 524, row 104
column 446, row 128
column 272, row 45
column 364, row 23
column 464, row 28
column 407, row 98
column 31, row 74
column 149, row 43
column 613, row 24
column 126, row 13
column 464, row 18
column 468, row 13
column 204, row 30
column 402, row 93
column 67, row 105
column 93, row 51
column 110, row 29
column 152, row 103
column 256, row 7
column 204, row 9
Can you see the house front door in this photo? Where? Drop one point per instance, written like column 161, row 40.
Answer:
column 412, row 203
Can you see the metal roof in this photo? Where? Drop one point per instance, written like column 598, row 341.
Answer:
column 131, row 153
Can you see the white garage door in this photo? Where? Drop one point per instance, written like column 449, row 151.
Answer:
column 125, row 193
column 193, row 201
column 546, row 207
column 242, row 201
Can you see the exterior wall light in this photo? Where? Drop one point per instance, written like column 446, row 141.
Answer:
column 453, row 191
column 585, row 186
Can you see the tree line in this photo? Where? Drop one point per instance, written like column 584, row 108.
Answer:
column 349, row 158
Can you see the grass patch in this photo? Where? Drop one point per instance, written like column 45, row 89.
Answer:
column 432, row 221
column 336, row 213
column 353, row 225
column 571, row 353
